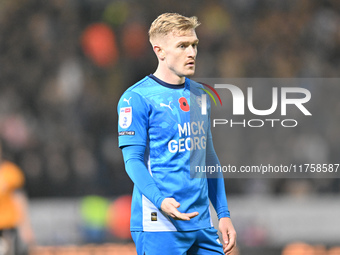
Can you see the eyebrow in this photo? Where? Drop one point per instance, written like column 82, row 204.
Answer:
column 188, row 42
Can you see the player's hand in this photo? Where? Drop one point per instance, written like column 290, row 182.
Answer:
column 228, row 234
column 170, row 205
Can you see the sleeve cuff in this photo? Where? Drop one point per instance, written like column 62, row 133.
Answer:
column 159, row 202
column 224, row 214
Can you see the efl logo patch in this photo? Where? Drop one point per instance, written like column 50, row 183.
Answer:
column 125, row 117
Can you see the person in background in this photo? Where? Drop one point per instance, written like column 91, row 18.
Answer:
column 15, row 229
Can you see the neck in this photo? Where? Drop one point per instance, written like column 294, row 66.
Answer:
column 168, row 76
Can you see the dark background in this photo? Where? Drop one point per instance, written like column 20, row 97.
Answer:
column 58, row 99
column 58, row 115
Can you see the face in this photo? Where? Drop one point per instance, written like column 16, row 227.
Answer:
column 180, row 52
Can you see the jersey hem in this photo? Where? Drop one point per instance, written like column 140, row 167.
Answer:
column 177, row 230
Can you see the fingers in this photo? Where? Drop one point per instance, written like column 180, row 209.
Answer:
column 229, row 242
column 225, row 238
column 228, row 234
column 183, row 216
column 170, row 205
column 192, row 215
column 174, row 203
column 180, row 216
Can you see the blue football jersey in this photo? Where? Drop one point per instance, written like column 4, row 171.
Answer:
column 167, row 120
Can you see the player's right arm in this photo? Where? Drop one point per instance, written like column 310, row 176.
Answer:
column 134, row 165
column 132, row 129
column 138, row 173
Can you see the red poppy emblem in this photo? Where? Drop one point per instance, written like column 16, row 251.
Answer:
column 183, row 104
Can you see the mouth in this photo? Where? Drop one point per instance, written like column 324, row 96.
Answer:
column 190, row 63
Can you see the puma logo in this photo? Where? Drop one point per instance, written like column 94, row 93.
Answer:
column 127, row 100
column 165, row 105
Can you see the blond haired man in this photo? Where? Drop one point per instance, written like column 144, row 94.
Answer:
column 163, row 136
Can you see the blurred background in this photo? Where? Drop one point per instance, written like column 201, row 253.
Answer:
column 64, row 65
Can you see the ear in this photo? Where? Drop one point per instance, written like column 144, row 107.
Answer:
column 159, row 52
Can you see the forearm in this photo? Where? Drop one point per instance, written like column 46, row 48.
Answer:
column 218, row 197
column 139, row 174
column 216, row 187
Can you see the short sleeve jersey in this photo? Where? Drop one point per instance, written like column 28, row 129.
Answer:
column 167, row 120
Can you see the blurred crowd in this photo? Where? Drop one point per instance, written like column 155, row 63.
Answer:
column 58, row 97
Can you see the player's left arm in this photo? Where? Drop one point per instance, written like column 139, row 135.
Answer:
column 218, row 198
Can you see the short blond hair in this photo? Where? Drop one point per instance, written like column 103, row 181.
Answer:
column 171, row 22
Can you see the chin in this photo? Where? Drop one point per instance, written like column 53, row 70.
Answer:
column 190, row 73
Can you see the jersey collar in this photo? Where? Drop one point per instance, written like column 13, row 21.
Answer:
column 168, row 85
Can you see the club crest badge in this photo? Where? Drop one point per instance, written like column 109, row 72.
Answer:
column 125, row 117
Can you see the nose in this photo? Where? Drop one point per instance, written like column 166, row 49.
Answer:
column 192, row 51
